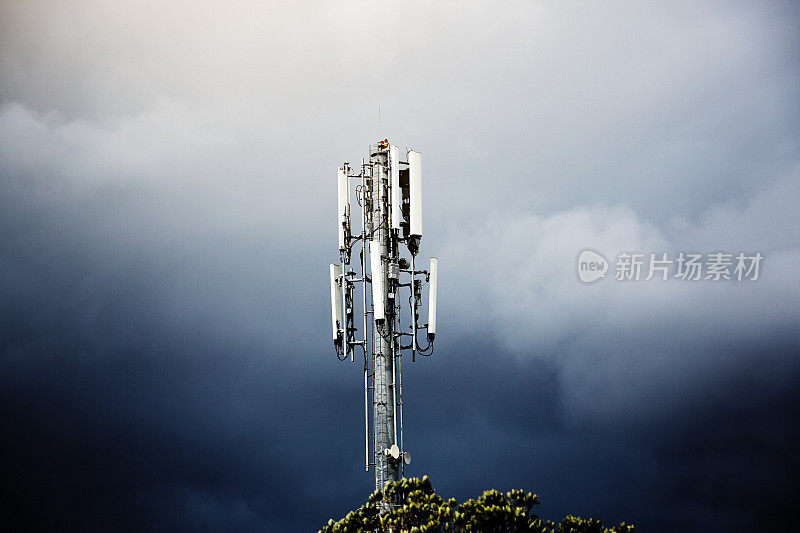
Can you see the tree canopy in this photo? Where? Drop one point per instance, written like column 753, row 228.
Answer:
column 418, row 509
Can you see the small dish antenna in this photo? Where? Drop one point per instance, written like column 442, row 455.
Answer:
column 394, row 452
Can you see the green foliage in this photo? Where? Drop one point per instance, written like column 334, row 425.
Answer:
column 418, row 509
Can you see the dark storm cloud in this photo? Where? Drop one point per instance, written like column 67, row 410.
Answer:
column 166, row 222
column 131, row 381
column 720, row 458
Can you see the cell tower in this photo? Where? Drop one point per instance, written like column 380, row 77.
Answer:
column 388, row 192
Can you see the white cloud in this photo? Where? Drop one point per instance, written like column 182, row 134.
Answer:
column 210, row 132
column 619, row 343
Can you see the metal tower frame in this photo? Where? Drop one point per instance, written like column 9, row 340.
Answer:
column 388, row 192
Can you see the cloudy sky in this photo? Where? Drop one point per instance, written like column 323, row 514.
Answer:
column 167, row 215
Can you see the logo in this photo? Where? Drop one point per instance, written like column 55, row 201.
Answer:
column 591, row 266
column 685, row 266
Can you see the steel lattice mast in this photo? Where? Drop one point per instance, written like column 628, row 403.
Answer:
column 389, row 193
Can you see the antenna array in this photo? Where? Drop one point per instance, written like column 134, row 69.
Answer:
column 388, row 193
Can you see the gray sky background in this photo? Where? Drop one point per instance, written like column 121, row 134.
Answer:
column 167, row 216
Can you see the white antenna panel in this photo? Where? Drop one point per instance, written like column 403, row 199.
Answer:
column 336, row 301
column 397, row 194
column 434, row 273
column 344, row 206
column 415, row 192
column 377, row 280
